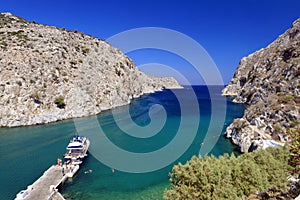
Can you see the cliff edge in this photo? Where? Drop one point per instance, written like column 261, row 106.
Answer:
column 49, row 74
column 268, row 81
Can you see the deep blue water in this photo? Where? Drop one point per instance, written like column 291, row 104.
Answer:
column 27, row 151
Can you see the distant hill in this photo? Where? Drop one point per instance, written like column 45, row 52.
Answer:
column 268, row 81
column 49, row 74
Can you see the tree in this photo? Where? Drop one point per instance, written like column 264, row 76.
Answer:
column 230, row 177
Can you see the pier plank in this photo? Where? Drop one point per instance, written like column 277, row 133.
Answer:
column 41, row 188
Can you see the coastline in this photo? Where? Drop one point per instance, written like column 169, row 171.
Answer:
column 268, row 82
column 44, row 142
column 49, row 74
column 47, row 117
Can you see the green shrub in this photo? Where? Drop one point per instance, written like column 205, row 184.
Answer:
column 294, row 124
column 85, row 50
column 60, row 102
column 277, row 128
column 230, row 177
column 294, row 146
column 286, row 99
column 3, row 43
column 35, row 95
column 73, row 62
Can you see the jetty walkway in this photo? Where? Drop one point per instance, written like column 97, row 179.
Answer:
column 48, row 185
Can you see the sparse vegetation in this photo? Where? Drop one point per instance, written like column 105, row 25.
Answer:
column 54, row 76
column 35, row 95
column 286, row 99
column 85, row 50
column 60, row 102
column 19, row 83
column 77, row 48
column 294, row 159
column 73, row 62
column 294, row 124
column 118, row 71
column 122, row 65
column 277, row 128
column 3, row 43
column 41, row 62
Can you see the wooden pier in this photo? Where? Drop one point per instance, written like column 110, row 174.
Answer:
column 48, row 185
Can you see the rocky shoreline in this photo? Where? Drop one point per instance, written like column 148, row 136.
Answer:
column 268, row 82
column 49, row 74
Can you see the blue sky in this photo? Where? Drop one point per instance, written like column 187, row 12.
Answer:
column 228, row 30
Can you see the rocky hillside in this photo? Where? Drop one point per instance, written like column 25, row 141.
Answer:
column 268, row 81
column 49, row 74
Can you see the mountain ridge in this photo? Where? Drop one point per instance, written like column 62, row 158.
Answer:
column 49, row 74
column 268, row 81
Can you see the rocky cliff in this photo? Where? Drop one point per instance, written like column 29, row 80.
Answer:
column 49, row 74
column 268, row 81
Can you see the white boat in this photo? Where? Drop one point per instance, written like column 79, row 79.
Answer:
column 77, row 150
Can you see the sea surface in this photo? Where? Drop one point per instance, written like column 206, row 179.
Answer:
column 26, row 152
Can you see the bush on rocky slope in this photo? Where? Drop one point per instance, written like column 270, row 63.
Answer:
column 230, row 177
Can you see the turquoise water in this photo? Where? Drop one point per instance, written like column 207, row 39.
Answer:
column 27, row 151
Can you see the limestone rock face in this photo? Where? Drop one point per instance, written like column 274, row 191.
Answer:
column 49, row 74
column 268, row 81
